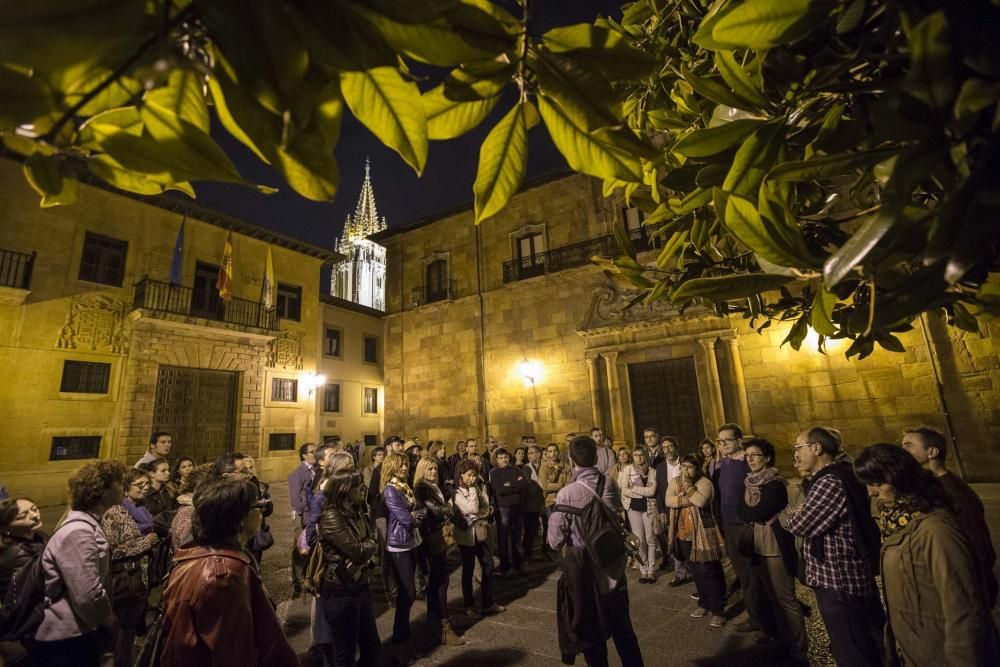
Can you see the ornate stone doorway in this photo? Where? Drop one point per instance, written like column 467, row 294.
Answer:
column 665, row 397
column 198, row 408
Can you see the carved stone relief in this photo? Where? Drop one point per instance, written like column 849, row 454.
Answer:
column 285, row 350
column 95, row 323
column 613, row 307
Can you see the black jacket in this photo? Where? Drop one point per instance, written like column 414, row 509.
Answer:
column 348, row 547
column 773, row 499
column 374, row 497
column 14, row 554
column 439, row 511
column 508, row 485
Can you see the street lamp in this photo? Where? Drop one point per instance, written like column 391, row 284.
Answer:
column 314, row 381
column 530, row 372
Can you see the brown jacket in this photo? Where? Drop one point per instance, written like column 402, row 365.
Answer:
column 552, row 478
column 217, row 614
column 935, row 597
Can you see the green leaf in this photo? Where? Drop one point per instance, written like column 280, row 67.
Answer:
column 754, row 158
column 713, row 140
column 110, row 171
column 601, row 48
column 585, row 96
column 308, row 165
column 777, row 243
column 974, row 96
column 106, row 123
column 829, row 166
column 737, row 78
column 715, row 91
column 625, row 245
column 181, row 97
column 25, row 98
column 243, row 117
column 930, row 78
column 583, row 152
column 263, row 45
column 889, row 342
column 45, row 174
column 797, row 333
column 763, row 24
column 503, row 158
column 728, row 288
column 434, row 42
column 123, row 91
column 413, row 11
column 851, row 16
column 821, row 317
column 189, row 144
column 390, row 107
column 447, row 118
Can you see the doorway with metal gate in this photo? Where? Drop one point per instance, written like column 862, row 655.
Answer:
column 665, row 397
column 198, row 408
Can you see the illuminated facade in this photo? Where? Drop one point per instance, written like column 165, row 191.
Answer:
column 360, row 277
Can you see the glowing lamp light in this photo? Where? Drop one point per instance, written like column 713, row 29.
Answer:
column 811, row 343
column 314, row 381
column 530, row 372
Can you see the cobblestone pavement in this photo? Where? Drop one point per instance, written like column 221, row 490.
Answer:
column 525, row 634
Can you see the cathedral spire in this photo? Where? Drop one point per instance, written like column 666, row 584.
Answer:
column 365, row 220
column 360, row 277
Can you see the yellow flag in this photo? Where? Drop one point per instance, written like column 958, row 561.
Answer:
column 267, row 288
column 224, row 283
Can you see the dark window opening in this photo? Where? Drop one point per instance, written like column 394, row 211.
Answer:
column 371, row 350
column 331, row 345
column 437, row 280
column 331, row 398
column 289, row 302
column 85, row 377
column 281, row 442
column 531, row 255
column 285, row 390
column 103, row 260
column 68, row 448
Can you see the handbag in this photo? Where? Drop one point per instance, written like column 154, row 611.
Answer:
column 127, row 583
column 312, row 578
column 263, row 540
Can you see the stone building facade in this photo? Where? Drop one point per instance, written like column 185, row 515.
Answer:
column 530, row 337
column 99, row 349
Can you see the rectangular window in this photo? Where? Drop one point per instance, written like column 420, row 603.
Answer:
column 331, row 344
column 331, row 398
column 371, row 440
column 370, row 350
column 68, row 448
column 103, row 260
column 281, row 442
column 85, row 377
column 285, row 390
column 289, row 302
column 633, row 218
column 437, row 281
column 371, row 400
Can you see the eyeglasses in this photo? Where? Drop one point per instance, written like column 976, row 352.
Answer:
column 755, row 456
column 140, row 485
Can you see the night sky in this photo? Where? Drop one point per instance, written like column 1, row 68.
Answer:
column 401, row 196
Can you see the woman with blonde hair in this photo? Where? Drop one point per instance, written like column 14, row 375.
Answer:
column 402, row 539
column 434, row 549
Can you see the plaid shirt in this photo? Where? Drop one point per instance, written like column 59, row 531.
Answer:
column 825, row 514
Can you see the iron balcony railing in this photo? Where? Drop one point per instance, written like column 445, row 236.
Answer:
column 179, row 300
column 558, row 259
column 424, row 294
column 15, row 268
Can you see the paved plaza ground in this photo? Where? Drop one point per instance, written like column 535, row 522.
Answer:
column 525, row 634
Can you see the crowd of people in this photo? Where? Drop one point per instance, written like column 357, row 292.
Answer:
column 171, row 550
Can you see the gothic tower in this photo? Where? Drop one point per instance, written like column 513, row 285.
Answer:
column 360, row 276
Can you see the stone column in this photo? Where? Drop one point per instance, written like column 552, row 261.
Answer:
column 615, row 396
column 713, row 383
column 595, row 403
column 742, row 404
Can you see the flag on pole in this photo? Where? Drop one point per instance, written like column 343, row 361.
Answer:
column 267, row 287
column 224, row 283
column 177, row 263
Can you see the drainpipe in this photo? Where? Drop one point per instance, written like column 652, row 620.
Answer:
column 939, row 395
column 481, row 371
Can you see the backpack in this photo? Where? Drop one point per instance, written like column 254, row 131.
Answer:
column 24, row 603
column 603, row 536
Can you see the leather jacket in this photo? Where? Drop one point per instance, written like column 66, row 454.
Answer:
column 400, row 519
column 216, row 612
column 349, row 548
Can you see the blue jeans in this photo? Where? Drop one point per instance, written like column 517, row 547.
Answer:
column 352, row 625
column 510, row 525
column 855, row 624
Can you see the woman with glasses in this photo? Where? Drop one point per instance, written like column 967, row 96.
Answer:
column 694, row 537
column 638, row 485
column 773, row 558
column 129, row 561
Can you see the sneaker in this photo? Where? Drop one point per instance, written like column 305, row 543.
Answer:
column 699, row 613
column 473, row 613
column 695, row 596
column 717, row 621
column 493, row 609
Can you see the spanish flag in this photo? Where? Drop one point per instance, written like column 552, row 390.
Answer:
column 267, row 288
column 224, row 283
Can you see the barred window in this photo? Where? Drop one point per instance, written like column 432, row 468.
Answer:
column 281, row 442
column 68, row 448
column 283, row 389
column 331, row 398
column 85, row 377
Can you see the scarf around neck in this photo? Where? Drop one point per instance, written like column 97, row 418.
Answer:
column 895, row 517
column 754, row 481
column 404, row 490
